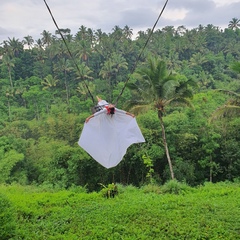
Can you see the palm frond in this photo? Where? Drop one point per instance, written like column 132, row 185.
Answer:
column 228, row 92
column 192, row 83
column 137, row 107
column 225, row 111
column 235, row 67
column 184, row 93
column 169, row 88
column 185, row 85
column 136, row 88
column 180, row 102
column 132, row 86
column 156, row 86
column 140, row 109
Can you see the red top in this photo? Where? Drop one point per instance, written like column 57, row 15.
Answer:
column 109, row 109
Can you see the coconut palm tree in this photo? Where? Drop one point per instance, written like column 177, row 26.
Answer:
column 19, row 91
column 9, row 63
column 84, row 50
column 49, row 82
column 15, row 46
column 127, row 32
column 107, row 72
column 84, row 72
column 98, row 35
column 119, row 61
column 81, row 34
column 39, row 44
column 197, row 59
column 28, row 40
column 64, row 66
column 117, row 33
column 232, row 107
column 156, row 88
column 112, row 67
column 234, row 24
column 81, row 88
column 9, row 92
column 46, row 37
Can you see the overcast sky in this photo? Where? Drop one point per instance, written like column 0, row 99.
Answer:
column 20, row 18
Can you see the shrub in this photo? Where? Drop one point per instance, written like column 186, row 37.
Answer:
column 78, row 189
column 175, row 187
column 7, row 218
column 109, row 191
column 130, row 189
column 151, row 188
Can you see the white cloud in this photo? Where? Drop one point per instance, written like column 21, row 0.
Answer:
column 221, row 3
column 20, row 18
column 176, row 14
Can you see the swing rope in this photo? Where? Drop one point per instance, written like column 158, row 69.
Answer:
column 68, row 50
column 135, row 65
column 139, row 56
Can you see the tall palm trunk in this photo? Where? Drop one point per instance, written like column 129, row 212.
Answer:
column 66, row 86
column 9, row 110
column 110, row 89
column 165, row 144
column 10, row 76
column 211, row 170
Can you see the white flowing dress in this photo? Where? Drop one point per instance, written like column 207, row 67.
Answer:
column 106, row 137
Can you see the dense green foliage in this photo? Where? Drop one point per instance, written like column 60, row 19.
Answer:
column 44, row 103
column 7, row 218
column 172, row 211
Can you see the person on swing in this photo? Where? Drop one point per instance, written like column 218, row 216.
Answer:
column 108, row 108
column 107, row 134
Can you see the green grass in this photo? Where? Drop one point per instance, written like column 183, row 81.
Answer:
column 207, row 212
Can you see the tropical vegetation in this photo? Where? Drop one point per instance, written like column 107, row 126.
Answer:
column 176, row 90
column 172, row 211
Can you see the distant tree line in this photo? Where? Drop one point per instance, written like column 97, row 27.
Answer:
column 184, row 92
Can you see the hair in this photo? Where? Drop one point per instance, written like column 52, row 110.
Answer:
column 112, row 110
column 96, row 109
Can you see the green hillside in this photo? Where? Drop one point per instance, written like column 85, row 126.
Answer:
column 184, row 93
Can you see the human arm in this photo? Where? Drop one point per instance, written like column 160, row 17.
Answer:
column 124, row 112
column 88, row 118
column 95, row 114
column 130, row 114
